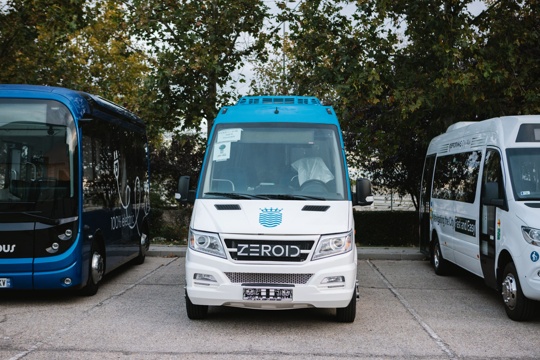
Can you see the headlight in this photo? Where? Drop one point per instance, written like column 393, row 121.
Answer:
column 532, row 236
column 330, row 245
column 207, row 243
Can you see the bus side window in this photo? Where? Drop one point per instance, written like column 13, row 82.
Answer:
column 492, row 180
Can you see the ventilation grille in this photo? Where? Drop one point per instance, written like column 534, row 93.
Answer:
column 262, row 278
column 444, row 148
column 321, row 208
column 478, row 141
column 227, row 206
column 284, row 100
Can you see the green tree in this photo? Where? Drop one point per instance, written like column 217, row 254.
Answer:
column 393, row 86
column 507, row 63
column 72, row 44
column 196, row 46
column 31, row 33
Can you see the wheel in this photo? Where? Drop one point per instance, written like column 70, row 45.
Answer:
column 144, row 246
column 348, row 313
column 96, row 271
column 439, row 263
column 313, row 186
column 517, row 306
column 195, row 312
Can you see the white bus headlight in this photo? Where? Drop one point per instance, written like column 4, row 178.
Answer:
column 532, row 236
column 330, row 245
column 207, row 243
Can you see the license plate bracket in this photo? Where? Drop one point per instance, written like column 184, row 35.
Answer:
column 267, row 294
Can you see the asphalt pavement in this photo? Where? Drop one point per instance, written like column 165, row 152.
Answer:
column 364, row 252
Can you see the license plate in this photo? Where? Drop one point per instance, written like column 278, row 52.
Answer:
column 5, row 282
column 265, row 294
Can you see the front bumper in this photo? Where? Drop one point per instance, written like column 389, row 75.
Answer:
column 221, row 291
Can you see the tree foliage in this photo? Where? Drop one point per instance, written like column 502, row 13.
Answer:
column 75, row 44
column 397, row 72
column 182, row 156
column 400, row 72
column 196, row 46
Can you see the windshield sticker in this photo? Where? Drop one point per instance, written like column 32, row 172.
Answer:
column 229, row 135
column 222, row 151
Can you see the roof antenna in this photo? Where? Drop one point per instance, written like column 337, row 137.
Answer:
column 276, row 111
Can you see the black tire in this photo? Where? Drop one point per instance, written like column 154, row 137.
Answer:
column 348, row 313
column 440, row 265
column 96, row 270
column 517, row 306
column 195, row 312
column 144, row 245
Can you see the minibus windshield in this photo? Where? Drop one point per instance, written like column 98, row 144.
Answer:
column 286, row 161
column 524, row 166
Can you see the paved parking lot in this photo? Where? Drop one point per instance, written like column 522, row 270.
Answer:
column 405, row 312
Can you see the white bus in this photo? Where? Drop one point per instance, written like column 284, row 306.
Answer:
column 272, row 224
column 480, row 206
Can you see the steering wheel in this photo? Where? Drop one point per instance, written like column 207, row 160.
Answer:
column 314, row 186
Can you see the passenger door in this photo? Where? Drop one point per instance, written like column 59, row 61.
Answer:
column 492, row 188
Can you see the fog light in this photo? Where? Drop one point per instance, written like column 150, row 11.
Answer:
column 53, row 248
column 204, row 277
column 333, row 280
column 67, row 281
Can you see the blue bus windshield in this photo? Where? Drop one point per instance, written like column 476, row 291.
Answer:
column 37, row 158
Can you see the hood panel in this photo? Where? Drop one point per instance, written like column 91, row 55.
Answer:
column 272, row 217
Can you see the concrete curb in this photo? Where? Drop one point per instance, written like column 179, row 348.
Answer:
column 364, row 253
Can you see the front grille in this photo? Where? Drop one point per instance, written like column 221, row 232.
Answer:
column 269, row 250
column 262, row 278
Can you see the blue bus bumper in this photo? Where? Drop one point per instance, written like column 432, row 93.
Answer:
column 57, row 272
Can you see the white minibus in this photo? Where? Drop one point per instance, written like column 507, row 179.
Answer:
column 480, row 206
column 272, row 224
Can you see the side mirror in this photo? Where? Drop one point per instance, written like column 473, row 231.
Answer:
column 363, row 193
column 183, row 194
column 491, row 195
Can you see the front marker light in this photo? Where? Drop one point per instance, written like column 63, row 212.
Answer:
column 330, row 245
column 207, row 243
column 531, row 235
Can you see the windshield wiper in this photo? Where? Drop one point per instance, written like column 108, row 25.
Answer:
column 33, row 216
column 291, row 197
column 265, row 196
column 236, row 195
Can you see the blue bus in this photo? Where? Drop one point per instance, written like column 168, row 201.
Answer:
column 74, row 188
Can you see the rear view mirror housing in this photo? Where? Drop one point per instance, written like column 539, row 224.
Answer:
column 184, row 195
column 364, row 196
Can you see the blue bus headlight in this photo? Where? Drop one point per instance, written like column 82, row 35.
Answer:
column 207, row 243
column 531, row 235
column 330, row 245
